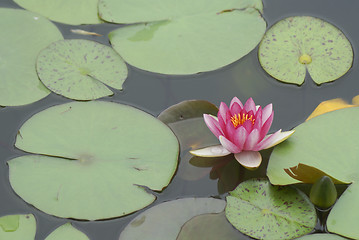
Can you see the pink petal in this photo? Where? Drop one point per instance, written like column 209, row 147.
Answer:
column 267, row 112
column 212, row 151
column 236, row 100
column 258, row 119
column 230, row 131
column 229, row 145
column 235, row 108
column 274, row 139
column 222, row 123
column 248, row 125
column 240, row 137
column 266, row 126
column 249, row 159
column 213, row 125
column 250, row 105
column 252, row 140
column 224, row 112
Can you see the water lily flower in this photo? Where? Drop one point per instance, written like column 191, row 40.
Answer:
column 242, row 130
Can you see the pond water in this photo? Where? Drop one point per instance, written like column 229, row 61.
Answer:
column 153, row 93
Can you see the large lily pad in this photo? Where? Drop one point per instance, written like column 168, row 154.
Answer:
column 95, row 158
column 324, row 144
column 24, row 35
column 164, row 221
column 184, row 37
column 18, row 227
column 263, row 211
column 79, row 69
column 72, row 12
column 66, row 231
column 297, row 44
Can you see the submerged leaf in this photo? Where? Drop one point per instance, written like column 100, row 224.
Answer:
column 17, row 227
column 81, row 69
column 68, row 232
column 94, row 160
column 185, row 37
column 297, row 44
column 263, row 211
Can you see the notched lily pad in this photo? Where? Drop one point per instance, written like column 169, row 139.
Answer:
column 297, row 44
column 184, row 37
column 81, row 69
column 67, row 231
column 72, row 12
column 263, row 211
column 92, row 160
column 18, row 227
column 164, row 221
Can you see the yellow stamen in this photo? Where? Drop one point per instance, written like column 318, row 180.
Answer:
column 237, row 119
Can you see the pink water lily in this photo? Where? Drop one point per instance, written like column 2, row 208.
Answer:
column 242, row 130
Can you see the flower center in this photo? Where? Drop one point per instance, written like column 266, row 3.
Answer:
column 239, row 119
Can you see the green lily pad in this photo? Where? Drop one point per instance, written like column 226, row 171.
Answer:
column 66, row 231
column 263, row 211
column 164, row 221
column 332, row 148
column 18, row 227
column 321, row 236
column 26, row 34
column 297, row 44
column 72, row 12
column 79, row 69
column 94, row 160
column 211, row 226
column 184, row 37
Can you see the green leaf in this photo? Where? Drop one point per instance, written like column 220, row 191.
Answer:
column 263, row 211
column 185, row 37
column 18, row 227
column 164, row 221
column 96, row 160
column 211, row 226
column 26, row 34
column 68, row 232
column 323, row 193
column 297, row 44
column 332, row 148
column 79, row 69
column 72, row 12
column 321, row 236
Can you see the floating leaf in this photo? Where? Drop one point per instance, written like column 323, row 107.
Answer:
column 329, row 106
column 18, row 227
column 79, row 69
column 26, row 34
column 164, row 221
column 296, row 44
column 321, row 236
column 323, row 193
column 184, row 37
column 72, row 12
column 332, row 148
column 186, row 110
column 263, row 211
column 211, row 226
column 97, row 159
column 67, row 231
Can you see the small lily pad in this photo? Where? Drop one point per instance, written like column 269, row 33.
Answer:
column 94, row 160
column 321, row 236
column 164, row 221
column 24, row 35
column 66, row 231
column 18, row 227
column 184, row 37
column 263, row 211
column 72, row 12
column 297, row 44
column 79, row 69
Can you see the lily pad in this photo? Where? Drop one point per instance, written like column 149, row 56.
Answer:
column 321, row 236
column 164, row 221
column 18, row 227
column 263, row 211
column 26, row 34
column 211, row 226
column 66, row 231
column 297, row 44
column 184, row 37
column 94, row 160
column 332, row 148
column 72, row 12
column 79, row 69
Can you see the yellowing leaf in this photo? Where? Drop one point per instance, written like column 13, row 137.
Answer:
column 332, row 105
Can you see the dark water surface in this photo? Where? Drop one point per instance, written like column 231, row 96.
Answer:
column 153, row 93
